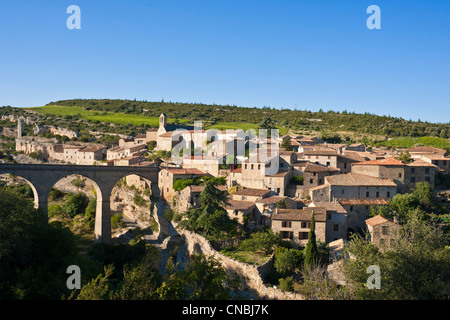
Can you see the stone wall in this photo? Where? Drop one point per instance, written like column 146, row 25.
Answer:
column 251, row 277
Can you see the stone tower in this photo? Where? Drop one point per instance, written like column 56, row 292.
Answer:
column 162, row 120
column 20, row 125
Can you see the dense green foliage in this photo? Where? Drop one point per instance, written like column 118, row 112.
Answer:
column 415, row 268
column 210, row 219
column 179, row 183
column 311, row 251
column 289, row 118
column 34, row 254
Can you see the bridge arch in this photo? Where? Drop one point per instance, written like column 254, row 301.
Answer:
column 43, row 177
column 33, row 188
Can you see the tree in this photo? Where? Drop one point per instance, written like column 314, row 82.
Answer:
column 405, row 157
column 34, row 254
column 79, row 182
column 212, row 196
column 76, row 204
column 98, row 288
column 425, row 194
column 311, row 246
column 287, row 144
column 268, row 124
column 287, row 260
column 416, row 266
column 206, row 279
column 264, row 241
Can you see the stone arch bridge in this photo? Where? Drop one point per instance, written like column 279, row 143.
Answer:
column 42, row 178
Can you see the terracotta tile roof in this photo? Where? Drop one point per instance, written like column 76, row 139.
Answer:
column 436, row 157
column 352, row 155
column 383, row 162
column 422, row 163
column 270, row 200
column 355, row 179
column 319, row 187
column 239, row 205
column 329, row 206
column 320, row 152
column 279, row 174
column 238, row 170
column 429, row 150
column 362, row 202
column 300, row 214
column 91, row 148
column 252, row 192
column 312, row 167
column 377, row 220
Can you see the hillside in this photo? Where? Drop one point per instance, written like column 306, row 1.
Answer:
column 223, row 116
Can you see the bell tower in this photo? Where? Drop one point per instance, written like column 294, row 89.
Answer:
column 162, row 120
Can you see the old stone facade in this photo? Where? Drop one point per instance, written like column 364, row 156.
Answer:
column 383, row 232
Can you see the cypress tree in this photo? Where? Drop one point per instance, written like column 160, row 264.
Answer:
column 311, row 247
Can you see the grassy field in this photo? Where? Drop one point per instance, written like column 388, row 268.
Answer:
column 411, row 142
column 133, row 119
column 116, row 118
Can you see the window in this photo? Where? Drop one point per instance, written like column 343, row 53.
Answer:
column 367, row 194
column 329, row 216
column 303, row 235
column 259, row 167
column 388, row 194
column 345, row 165
column 378, row 194
column 252, row 167
column 328, row 163
column 245, row 166
column 413, row 170
column 286, row 224
column 335, row 227
column 399, row 175
column 305, row 225
column 351, row 208
column 287, row 235
column 311, row 181
column 384, row 230
column 427, row 170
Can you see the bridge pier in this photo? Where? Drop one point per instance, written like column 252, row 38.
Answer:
column 103, row 221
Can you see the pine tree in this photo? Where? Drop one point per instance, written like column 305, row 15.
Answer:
column 311, row 247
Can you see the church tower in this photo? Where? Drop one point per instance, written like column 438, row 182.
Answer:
column 162, row 120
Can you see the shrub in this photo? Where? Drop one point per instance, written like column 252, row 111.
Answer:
column 76, row 204
column 138, row 200
column 297, row 180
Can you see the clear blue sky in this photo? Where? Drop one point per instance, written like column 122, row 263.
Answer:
column 306, row 54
